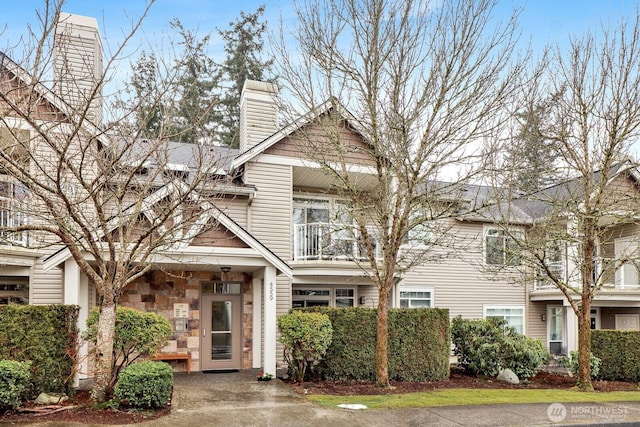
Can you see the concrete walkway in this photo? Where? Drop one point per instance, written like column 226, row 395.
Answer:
column 237, row 399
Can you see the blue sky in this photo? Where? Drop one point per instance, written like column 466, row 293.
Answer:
column 542, row 20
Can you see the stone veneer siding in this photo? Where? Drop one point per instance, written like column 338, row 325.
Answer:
column 158, row 291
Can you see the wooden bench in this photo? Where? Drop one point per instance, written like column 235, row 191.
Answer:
column 186, row 357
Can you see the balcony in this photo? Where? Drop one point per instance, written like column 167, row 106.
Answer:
column 13, row 213
column 333, row 242
column 626, row 277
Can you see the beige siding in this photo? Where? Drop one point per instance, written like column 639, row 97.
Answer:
column 459, row 282
column 271, row 207
column 536, row 327
column 46, row 287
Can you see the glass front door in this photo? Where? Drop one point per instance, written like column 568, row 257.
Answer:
column 221, row 332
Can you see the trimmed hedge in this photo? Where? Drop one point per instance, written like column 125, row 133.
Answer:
column 145, row 385
column 44, row 335
column 619, row 352
column 14, row 380
column 419, row 344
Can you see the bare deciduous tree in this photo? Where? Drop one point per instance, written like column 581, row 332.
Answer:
column 593, row 122
column 110, row 198
column 426, row 82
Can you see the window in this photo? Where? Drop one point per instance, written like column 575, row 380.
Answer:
column 13, row 211
column 420, row 235
column 14, row 290
column 416, row 298
column 513, row 315
column 323, row 297
column 501, row 247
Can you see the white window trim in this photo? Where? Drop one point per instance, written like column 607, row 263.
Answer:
column 417, row 289
column 485, row 230
column 332, row 293
column 485, row 308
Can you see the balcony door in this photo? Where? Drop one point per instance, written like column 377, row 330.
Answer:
column 221, row 330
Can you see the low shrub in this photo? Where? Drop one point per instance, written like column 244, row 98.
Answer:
column 145, row 385
column 484, row 346
column 571, row 363
column 14, row 381
column 137, row 334
column 306, row 337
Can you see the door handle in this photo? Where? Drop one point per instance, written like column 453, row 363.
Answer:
column 204, row 332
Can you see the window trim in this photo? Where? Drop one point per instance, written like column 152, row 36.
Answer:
column 485, row 308
column 332, row 293
column 485, row 231
column 416, row 289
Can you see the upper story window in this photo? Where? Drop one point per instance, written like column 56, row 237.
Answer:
column 501, row 247
column 13, row 211
column 420, row 235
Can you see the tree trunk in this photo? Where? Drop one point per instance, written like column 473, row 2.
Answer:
column 584, row 346
column 104, row 350
column 382, row 337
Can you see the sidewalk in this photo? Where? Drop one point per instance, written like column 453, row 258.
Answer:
column 237, row 399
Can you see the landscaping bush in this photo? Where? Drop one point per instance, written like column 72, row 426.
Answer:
column 484, row 346
column 619, row 352
column 137, row 334
column 46, row 336
column 418, row 344
column 306, row 337
column 145, row 385
column 14, row 381
column 572, row 363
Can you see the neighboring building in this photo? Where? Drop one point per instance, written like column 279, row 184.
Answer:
column 278, row 246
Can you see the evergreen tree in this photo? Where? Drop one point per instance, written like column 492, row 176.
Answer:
column 534, row 157
column 196, row 71
column 149, row 114
column 243, row 47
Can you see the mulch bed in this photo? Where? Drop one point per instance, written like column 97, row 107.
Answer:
column 457, row 379
column 78, row 410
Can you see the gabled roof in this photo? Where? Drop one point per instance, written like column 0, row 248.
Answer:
column 305, row 119
column 214, row 213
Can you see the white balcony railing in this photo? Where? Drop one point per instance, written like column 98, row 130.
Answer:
column 626, row 276
column 12, row 214
column 321, row 241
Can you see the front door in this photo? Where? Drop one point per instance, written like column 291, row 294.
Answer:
column 221, row 332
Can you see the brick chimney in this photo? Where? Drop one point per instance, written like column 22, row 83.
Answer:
column 77, row 64
column 258, row 113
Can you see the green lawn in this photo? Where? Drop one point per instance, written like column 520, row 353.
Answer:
column 450, row 397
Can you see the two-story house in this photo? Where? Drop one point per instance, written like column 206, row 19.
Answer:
column 283, row 242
